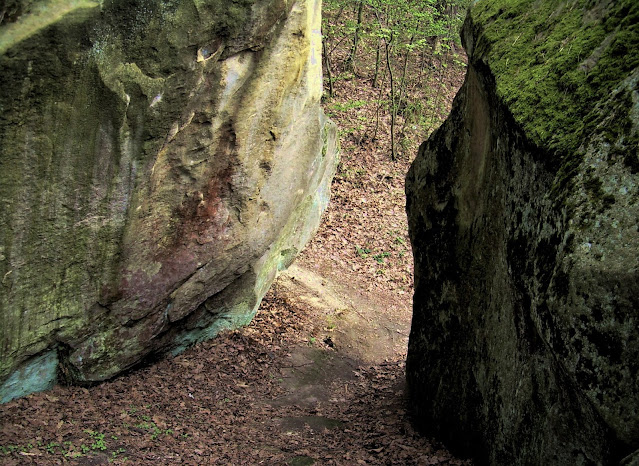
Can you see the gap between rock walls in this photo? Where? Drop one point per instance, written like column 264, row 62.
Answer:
column 318, row 375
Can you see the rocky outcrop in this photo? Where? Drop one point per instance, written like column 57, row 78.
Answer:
column 523, row 211
column 160, row 162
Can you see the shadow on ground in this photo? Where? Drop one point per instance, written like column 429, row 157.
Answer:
column 317, row 378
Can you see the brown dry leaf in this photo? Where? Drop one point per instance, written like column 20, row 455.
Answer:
column 225, row 401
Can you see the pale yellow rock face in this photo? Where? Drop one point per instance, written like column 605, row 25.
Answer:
column 198, row 164
column 43, row 15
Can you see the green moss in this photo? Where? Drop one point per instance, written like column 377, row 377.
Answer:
column 57, row 123
column 552, row 60
column 14, row 9
column 89, row 92
column 86, row 100
column 27, row 18
column 618, row 131
column 227, row 17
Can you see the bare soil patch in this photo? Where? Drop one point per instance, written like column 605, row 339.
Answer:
column 300, row 385
column 316, row 378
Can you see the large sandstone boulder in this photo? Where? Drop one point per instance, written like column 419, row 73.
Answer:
column 160, row 161
column 524, row 210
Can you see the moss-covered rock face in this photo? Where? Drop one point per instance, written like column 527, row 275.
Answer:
column 553, row 59
column 159, row 162
column 523, row 213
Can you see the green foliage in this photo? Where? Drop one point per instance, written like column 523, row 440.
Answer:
column 97, row 440
column 344, row 132
column 362, row 252
column 352, row 104
column 379, row 258
column 51, row 446
column 390, row 34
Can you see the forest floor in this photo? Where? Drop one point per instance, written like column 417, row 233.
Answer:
column 316, row 378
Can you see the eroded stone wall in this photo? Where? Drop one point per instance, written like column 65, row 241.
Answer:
column 160, row 162
column 523, row 213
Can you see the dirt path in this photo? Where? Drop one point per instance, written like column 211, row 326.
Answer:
column 317, row 378
column 347, row 333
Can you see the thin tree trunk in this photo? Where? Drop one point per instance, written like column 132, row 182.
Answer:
column 402, row 84
column 392, row 98
column 379, row 105
column 327, row 64
column 377, row 62
column 442, row 60
column 350, row 61
column 422, row 60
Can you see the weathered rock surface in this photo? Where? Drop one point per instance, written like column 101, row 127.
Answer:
column 160, row 162
column 523, row 211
